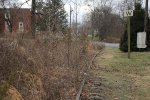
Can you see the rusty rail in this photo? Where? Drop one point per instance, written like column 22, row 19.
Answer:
column 78, row 97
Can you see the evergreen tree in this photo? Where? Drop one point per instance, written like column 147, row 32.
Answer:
column 54, row 16
column 40, row 23
column 137, row 25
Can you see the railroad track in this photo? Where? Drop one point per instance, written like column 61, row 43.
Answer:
column 95, row 86
column 96, row 89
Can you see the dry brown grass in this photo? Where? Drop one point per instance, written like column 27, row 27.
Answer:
column 39, row 68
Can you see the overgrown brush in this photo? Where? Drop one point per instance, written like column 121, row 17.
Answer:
column 48, row 67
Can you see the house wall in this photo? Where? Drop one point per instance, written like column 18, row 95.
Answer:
column 23, row 15
column 27, row 20
column 17, row 15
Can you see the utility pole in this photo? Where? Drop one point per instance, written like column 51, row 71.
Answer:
column 146, row 16
column 129, row 39
column 77, row 67
column 76, row 17
column 93, row 16
column 70, row 16
column 33, row 17
column 128, row 13
column 69, row 37
column 49, row 18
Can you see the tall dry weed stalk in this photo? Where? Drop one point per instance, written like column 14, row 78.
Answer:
column 44, row 68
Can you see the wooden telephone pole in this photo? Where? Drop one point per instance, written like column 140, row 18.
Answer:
column 146, row 16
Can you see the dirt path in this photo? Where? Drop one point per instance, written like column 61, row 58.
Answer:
column 115, row 77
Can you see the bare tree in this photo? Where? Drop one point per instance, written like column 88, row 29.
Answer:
column 33, row 27
column 106, row 24
column 5, row 4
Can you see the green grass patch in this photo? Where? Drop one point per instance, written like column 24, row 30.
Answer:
column 118, row 60
column 3, row 89
column 127, row 79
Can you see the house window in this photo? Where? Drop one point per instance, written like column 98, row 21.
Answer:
column 21, row 27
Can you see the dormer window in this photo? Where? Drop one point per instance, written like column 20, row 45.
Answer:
column 21, row 27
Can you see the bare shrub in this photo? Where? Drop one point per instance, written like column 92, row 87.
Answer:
column 26, row 62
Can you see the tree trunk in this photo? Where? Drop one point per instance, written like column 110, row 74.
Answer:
column 33, row 26
column 146, row 16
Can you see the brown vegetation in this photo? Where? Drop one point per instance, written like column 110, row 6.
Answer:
column 48, row 67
